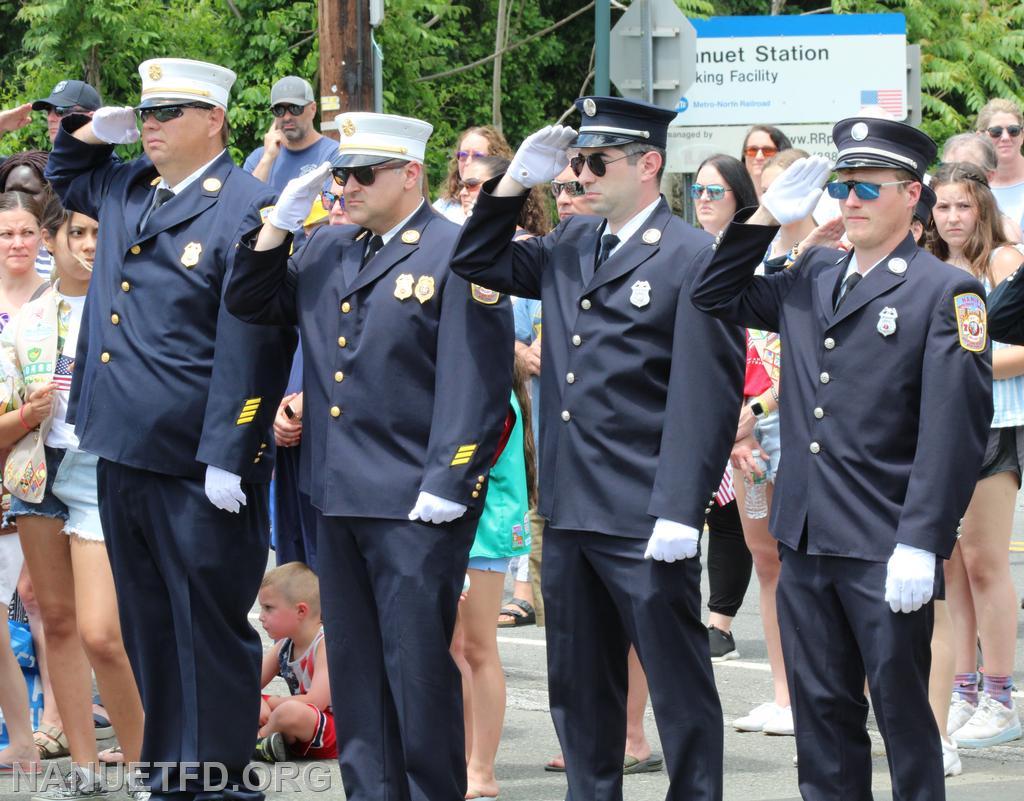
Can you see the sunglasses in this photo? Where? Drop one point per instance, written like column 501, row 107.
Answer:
column 715, row 191
column 168, row 113
column 751, row 152
column 865, row 190
column 571, row 188
column 472, row 184
column 365, row 176
column 290, row 108
column 463, row 155
column 328, row 199
column 63, row 111
column 596, row 161
column 996, row 131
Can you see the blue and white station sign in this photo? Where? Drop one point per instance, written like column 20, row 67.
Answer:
column 793, row 69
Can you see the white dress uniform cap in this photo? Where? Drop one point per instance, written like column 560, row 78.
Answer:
column 166, row 81
column 367, row 138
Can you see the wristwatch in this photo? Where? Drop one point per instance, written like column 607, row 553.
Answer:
column 757, row 409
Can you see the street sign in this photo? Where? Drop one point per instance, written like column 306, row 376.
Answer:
column 651, row 56
column 797, row 69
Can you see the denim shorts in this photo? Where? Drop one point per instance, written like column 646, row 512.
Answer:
column 489, row 564
column 766, row 432
column 70, row 494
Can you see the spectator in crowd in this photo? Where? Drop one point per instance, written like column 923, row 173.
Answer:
column 23, row 172
column 721, row 187
column 981, row 152
column 301, row 724
column 67, row 97
column 760, row 144
column 967, row 233
column 14, row 119
column 473, row 143
column 58, row 523
column 292, row 146
column 1003, row 123
column 184, row 508
column 333, row 199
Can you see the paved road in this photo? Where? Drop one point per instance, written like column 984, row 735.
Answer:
column 758, row 767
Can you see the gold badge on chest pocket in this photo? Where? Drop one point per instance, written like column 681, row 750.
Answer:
column 425, row 288
column 190, row 255
column 403, row 286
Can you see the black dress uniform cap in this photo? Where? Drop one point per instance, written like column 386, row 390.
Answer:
column 616, row 121
column 925, row 204
column 872, row 142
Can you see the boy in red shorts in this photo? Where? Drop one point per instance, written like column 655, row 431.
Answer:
column 300, row 725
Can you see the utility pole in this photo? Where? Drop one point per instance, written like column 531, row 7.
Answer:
column 346, row 59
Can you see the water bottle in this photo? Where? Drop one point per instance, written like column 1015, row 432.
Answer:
column 755, row 502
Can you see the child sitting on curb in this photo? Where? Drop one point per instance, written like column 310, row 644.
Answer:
column 300, row 725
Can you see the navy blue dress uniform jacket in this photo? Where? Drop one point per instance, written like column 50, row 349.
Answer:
column 407, row 367
column 640, row 394
column 883, row 436
column 148, row 391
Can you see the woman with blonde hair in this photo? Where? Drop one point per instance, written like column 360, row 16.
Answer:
column 1003, row 123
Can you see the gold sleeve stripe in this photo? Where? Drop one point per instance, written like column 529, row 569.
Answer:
column 463, row 455
column 248, row 413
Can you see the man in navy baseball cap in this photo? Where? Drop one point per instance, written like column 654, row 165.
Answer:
column 67, row 97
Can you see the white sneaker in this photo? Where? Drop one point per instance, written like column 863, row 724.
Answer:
column 992, row 724
column 781, row 724
column 951, row 765
column 960, row 711
column 755, row 719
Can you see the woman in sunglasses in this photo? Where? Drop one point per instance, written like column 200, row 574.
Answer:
column 721, row 188
column 966, row 232
column 474, row 143
column 535, row 218
column 1002, row 120
column 760, row 144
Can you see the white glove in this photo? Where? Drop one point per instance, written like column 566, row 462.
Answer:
column 224, row 489
column 794, row 194
column 541, row 156
column 431, row 509
column 297, row 198
column 672, row 541
column 910, row 578
column 116, row 125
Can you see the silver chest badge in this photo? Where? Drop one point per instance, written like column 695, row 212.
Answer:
column 641, row 294
column 887, row 321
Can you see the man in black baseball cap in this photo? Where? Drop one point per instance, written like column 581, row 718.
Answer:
column 67, row 97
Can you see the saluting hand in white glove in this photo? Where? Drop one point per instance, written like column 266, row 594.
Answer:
column 431, row 509
column 541, row 156
column 671, row 542
column 910, row 578
column 224, row 489
column 795, row 193
column 297, row 198
column 115, row 125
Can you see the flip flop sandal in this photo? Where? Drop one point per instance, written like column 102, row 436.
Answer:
column 521, row 612
column 632, row 765
column 551, row 767
column 51, row 742
column 112, row 756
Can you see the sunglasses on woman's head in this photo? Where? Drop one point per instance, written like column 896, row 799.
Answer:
column 715, row 191
column 571, row 188
column 996, row 131
column 365, row 176
column 168, row 113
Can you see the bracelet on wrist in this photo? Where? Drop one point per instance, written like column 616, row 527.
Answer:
column 21, row 418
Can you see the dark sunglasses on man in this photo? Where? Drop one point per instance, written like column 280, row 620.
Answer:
column 168, row 113
column 287, row 108
column 996, row 131
column 598, row 163
column 571, row 188
column 865, row 190
column 365, row 175
column 63, row 111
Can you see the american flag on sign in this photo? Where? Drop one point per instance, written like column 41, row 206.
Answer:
column 62, row 375
column 891, row 100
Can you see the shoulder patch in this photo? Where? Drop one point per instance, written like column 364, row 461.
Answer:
column 483, row 295
column 971, row 321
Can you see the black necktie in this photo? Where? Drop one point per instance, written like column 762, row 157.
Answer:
column 375, row 244
column 851, row 281
column 608, row 243
column 160, row 197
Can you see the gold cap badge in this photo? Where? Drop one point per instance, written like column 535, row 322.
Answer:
column 155, row 73
column 348, row 127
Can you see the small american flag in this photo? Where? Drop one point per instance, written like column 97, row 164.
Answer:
column 890, row 100
column 62, row 375
column 726, row 491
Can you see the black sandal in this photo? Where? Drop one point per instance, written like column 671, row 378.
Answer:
column 521, row 612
